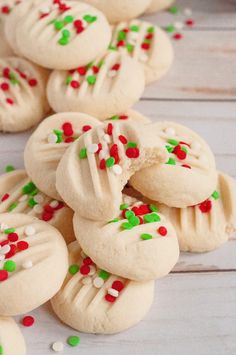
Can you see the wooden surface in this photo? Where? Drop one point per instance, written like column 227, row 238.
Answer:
column 194, row 310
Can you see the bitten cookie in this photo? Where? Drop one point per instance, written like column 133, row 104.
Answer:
column 18, row 194
column 11, row 339
column 93, row 171
column 121, row 10
column 104, row 88
column 52, row 33
column 33, row 263
column 92, row 300
column 189, row 175
column 208, row 225
column 23, row 100
column 147, row 44
column 139, row 244
column 47, row 145
column 158, row 5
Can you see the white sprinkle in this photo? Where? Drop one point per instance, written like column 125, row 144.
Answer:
column 52, row 138
column 112, row 73
column 38, row 209
column 87, row 280
column 27, row 264
column 196, row 146
column 38, row 198
column 143, row 58
column 117, row 169
column 92, row 148
column 2, row 257
column 54, row 204
column 107, row 138
column 29, row 231
column 58, row 346
column 113, row 292
column 170, row 131
column 179, row 25
column 93, row 270
column 3, row 226
column 5, row 249
column 188, row 12
column 23, row 198
column 98, row 282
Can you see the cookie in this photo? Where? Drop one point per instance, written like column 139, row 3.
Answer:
column 139, row 244
column 104, row 88
column 33, row 265
column 6, row 7
column 147, row 44
column 93, row 171
column 92, row 300
column 18, row 194
column 11, row 339
column 52, row 33
column 47, row 145
column 122, row 10
column 158, row 5
column 208, row 225
column 23, row 100
column 189, row 175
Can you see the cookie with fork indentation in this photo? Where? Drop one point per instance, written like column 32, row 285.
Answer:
column 106, row 87
column 158, row 5
column 94, row 170
column 33, row 263
column 18, row 194
column 23, row 100
column 62, row 34
column 11, row 339
column 92, row 300
column 147, row 44
column 139, row 244
column 189, row 175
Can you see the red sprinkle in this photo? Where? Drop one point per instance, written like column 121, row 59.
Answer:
column 116, row 67
column 109, row 129
column 12, row 251
column 205, row 206
column 102, row 164
column 82, row 70
column 178, row 36
column 114, row 151
column 75, row 84
column 88, row 261
column 5, row 9
column 13, row 237
column 59, row 206
column 3, row 275
column 85, row 269
column 123, row 139
column 48, row 208
column 186, row 166
column 5, row 197
column 22, row 245
column 4, row 242
column 118, row 285
column 69, row 140
column 162, row 231
column 32, row 82
column 95, row 69
column 132, row 153
column 46, row 216
column 86, row 128
column 27, row 321
column 110, row 298
column 189, row 22
column 5, row 86
column 10, row 101
column 145, row 46
column 124, row 117
column 121, row 44
column 67, row 129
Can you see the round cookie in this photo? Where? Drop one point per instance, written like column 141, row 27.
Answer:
column 104, row 88
column 121, row 10
column 189, row 175
column 18, row 194
column 158, row 5
column 11, row 339
column 147, row 44
column 47, row 145
column 52, row 33
column 92, row 300
column 139, row 244
column 34, row 262
column 93, row 171
column 23, row 100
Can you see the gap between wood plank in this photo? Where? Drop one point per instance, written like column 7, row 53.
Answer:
column 203, row 271
column 185, row 100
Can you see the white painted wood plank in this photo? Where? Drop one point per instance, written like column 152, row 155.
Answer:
column 192, row 314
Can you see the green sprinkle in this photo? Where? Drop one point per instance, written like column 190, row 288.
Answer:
column 127, row 225
column 91, row 79
column 134, row 28
column 153, row 208
column 121, row 36
column 130, row 47
column 114, row 118
column 216, row 195
column 9, row 266
column 129, row 214
column 63, row 41
column 59, row 135
column 89, row 65
column 9, row 168
column 66, row 33
column 151, row 29
column 31, row 202
column 1, row 350
column 9, row 230
column 112, row 47
column 28, row 188
column 34, row 192
column 173, row 10
column 169, row 148
column 58, row 25
column 151, row 217
column 69, row 80
column 68, row 19
column 73, row 340
column 132, row 145
column 134, row 221
column 12, row 207
column 146, row 236
column 170, row 28
column 124, row 206
column 90, row 19
column 184, row 150
column 73, row 269
column 101, row 63
column 114, row 220
column 83, row 153
column 173, row 142
column 110, row 162
column 104, row 275
column 171, row 161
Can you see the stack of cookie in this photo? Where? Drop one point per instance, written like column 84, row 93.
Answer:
column 123, row 193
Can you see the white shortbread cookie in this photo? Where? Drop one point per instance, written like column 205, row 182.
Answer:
column 146, row 43
column 47, row 145
column 93, row 301
column 108, row 86
column 208, row 225
column 93, row 171
column 11, row 339
column 158, row 5
column 121, row 10
column 18, row 194
column 23, row 100
column 34, row 262
column 139, row 244
column 52, row 34
column 189, row 175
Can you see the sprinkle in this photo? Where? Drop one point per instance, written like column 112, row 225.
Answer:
column 5, row 197
column 170, row 28
column 123, row 139
column 28, row 321
column 9, row 230
column 86, row 128
column 118, row 285
column 205, row 206
column 63, row 41
column 29, row 231
column 90, row 18
column 132, row 153
column 3, row 275
column 187, row 12
column 179, row 25
column 113, row 292
column 98, row 282
column 216, row 195
column 92, row 270
column 9, row 168
column 5, row 249
column 117, row 169
column 22, row 245
column 127, row 225
column 110, row 162
column 83, row 153
column 189, row 22
column 171, row 161
column 32, row 82
column 9, row 266
column 104, row 275
column 91, row 79
column 58, row 346
column 124, row 206
column 178, row 36
column 146, row 236
column 92, row 148
column 162, row 231
column 110, row 298
column 173, row 10
column 151, row 217
column 85, row 269
column 27, row 264
column 73, row 340
column 68, row 19
column 1, row 350
column 153, row 208
column 73, row 269
column 13, row 237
